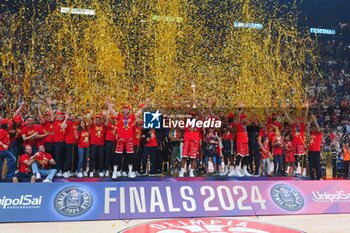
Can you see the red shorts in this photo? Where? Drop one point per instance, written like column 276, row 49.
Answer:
column 299, row 149
column 242, row 148
column 190, row 149
column 290, row 158
column 126, row 143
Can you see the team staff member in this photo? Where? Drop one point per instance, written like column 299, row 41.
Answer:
column 315, row 150
column 25, row 162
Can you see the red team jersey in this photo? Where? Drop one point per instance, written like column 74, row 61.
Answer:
column 24, row 168
column 27, row 131
column 153, row 139
column 277, row 149
column 241, row 131
column 97, row 134
column 137, row 135
column 298, row 133
column 49, row 129
column 83, row 140
column 59, row 133
column 192, row 134
column 40, row 129
column 316, row 141
column 71, row 130
column 111, row 130
column 125, row 126
column 4, row 138
column 44, row 160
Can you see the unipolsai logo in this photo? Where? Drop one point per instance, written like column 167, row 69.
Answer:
column 21, row 202
column 287, row 197
column 152, row 120
column 73, row 201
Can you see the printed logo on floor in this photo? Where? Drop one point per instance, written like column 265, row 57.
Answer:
column 207, row 225
column 287, row 197
column 73, row 201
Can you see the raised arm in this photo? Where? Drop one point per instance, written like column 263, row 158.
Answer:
column 18, row 111
column 290, row 121
column 110, row 107
column 49, row 106
column 314, row 120
column 142, row 107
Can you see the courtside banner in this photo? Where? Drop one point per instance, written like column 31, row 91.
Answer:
column 147, row 200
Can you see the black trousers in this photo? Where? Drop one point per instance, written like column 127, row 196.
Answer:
column 96, row 153
column 70, row 153
column 59, row 155
column 315, row 165
column 110, row 158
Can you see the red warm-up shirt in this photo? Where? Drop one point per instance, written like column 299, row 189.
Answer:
column 97, row 134
column 125, row 125
column 71, row 130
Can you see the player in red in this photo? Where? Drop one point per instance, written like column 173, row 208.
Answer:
column 15, row 131
column 4, row 152
column 25, row 162
column 277, row 148
column 298, row 134
column 190, row 148
column 29, row 133
column 137, row 146
column 43, row 163
column 110, row 139
column 125, row 131
column 314, row 152
column 242, row 144
column 227, row 142
column 70, row 139
column 49, row 139
column 59, row 127
column 97, row 139
column 290, row 158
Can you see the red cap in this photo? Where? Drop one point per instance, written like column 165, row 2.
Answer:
column 193, row 113
column 98, row 116
column 127, row 106
column 17, row 118
column 274, row 114
column 3, row 121
column 243, row 116
column 60, row 113
column 47, row 113
column 113, row 117
column 142, row 105
column 230, row 115
column 300, row 118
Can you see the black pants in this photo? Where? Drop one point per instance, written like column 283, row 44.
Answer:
column 59, row 155
column 346, row 169
column 50, row 148
column 152, row 152
column 315, row 165
column 256, row 155
column 110, row 158
column 138, row 158
column 245, row 160
column 96, row 153
column 70, row 153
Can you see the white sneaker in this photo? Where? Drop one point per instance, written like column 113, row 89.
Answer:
column 225, row 172
column 47, row 181
column 119, row 174
column 124, row 174
column 106, row 173
column 70, row 174
column 191, row 173
column 114, row 175
column 132, row 175
column 182, row 172
column 38, row 176
column 65, row 174
column 79, row 174
column 137, row 173
column 231, row 173
column 100, row 174
column 238, row 172
column 245, row 172
column 59, row 174
column 91, row 174
column 85, row 174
